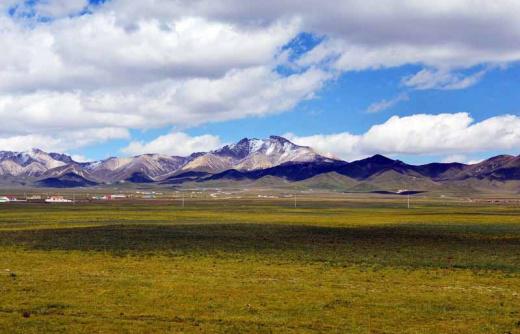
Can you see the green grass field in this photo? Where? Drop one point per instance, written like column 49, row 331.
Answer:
column 251, row 266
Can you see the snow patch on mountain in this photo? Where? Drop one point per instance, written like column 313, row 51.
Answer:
column 245, row 155
column 30, row 163
column 251, row 154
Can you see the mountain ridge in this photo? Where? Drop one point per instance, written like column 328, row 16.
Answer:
column 249, row 160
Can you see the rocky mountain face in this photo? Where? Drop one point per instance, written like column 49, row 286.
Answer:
column 379, row 173
column 31, row 163
column 274, row 158
column 245, row 155
column 119, row 169
column 500, row 168
column 252, row 154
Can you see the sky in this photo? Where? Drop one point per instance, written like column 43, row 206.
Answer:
column 419, row 81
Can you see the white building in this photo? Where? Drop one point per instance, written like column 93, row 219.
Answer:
column 57, row 199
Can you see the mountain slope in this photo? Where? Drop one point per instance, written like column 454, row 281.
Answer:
column 501, row 167
column 31, row 163
column 440, row 171
column 118, row 169
column 67, row 180
column 292, row 171
column 139, row 177
column 253, row 154
column 260, row 162
column 363, row 169
column 331, row 180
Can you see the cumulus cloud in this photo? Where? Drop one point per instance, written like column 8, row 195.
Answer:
column 460, row 158
column 338, row 145
column 59, row 8
column 455, row 158
column 476, row 26
column 65, row 54
column 182, row 70
column 157, row 63
column 421, row 134
column 473, row 162
column 62, row 141
column 243, row 93
column 80, row 158
column 176, row 143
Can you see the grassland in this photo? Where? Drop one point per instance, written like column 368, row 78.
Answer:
column 337, row 265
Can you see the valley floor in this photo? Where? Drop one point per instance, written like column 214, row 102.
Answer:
column 260, row 266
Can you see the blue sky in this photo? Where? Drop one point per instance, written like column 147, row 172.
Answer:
column 98, row 79
column 342, row 106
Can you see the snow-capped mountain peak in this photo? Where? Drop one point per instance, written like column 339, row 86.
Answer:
column 245, row 155
column 246, row 146
column 31, row 163
column 251, row 154
column 49, row 160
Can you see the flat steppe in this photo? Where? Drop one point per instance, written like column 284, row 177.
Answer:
column 336, row 264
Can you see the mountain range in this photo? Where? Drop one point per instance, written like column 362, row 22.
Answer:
column 274, row 161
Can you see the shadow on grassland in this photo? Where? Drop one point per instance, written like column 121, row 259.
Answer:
column 477, row 247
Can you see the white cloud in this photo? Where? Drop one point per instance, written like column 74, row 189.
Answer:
column 421, row 134
column 386, row 104
column 461, row 158
column 242, row 93
column 158, row 63
column 80, row 158
column 441, row 79
column 6, row 4
column 160, row 38
column 474, row 25
column 473, row 162
column 59, row 8
column 65, row 54
column 61, row 141
column 455, row 158
column 338, row 145
column 176, row 143
column 153, row 73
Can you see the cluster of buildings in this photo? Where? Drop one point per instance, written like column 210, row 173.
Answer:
column 58, row 199
column 55, row 198
column 108, row 197
column 85, row 197
column 34, row 198
column 9, row 198
column 4, row 199
column 147, row 194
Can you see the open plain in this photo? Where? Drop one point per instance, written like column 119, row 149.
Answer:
column 331, row 263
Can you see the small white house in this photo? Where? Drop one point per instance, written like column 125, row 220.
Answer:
column 57, row 199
